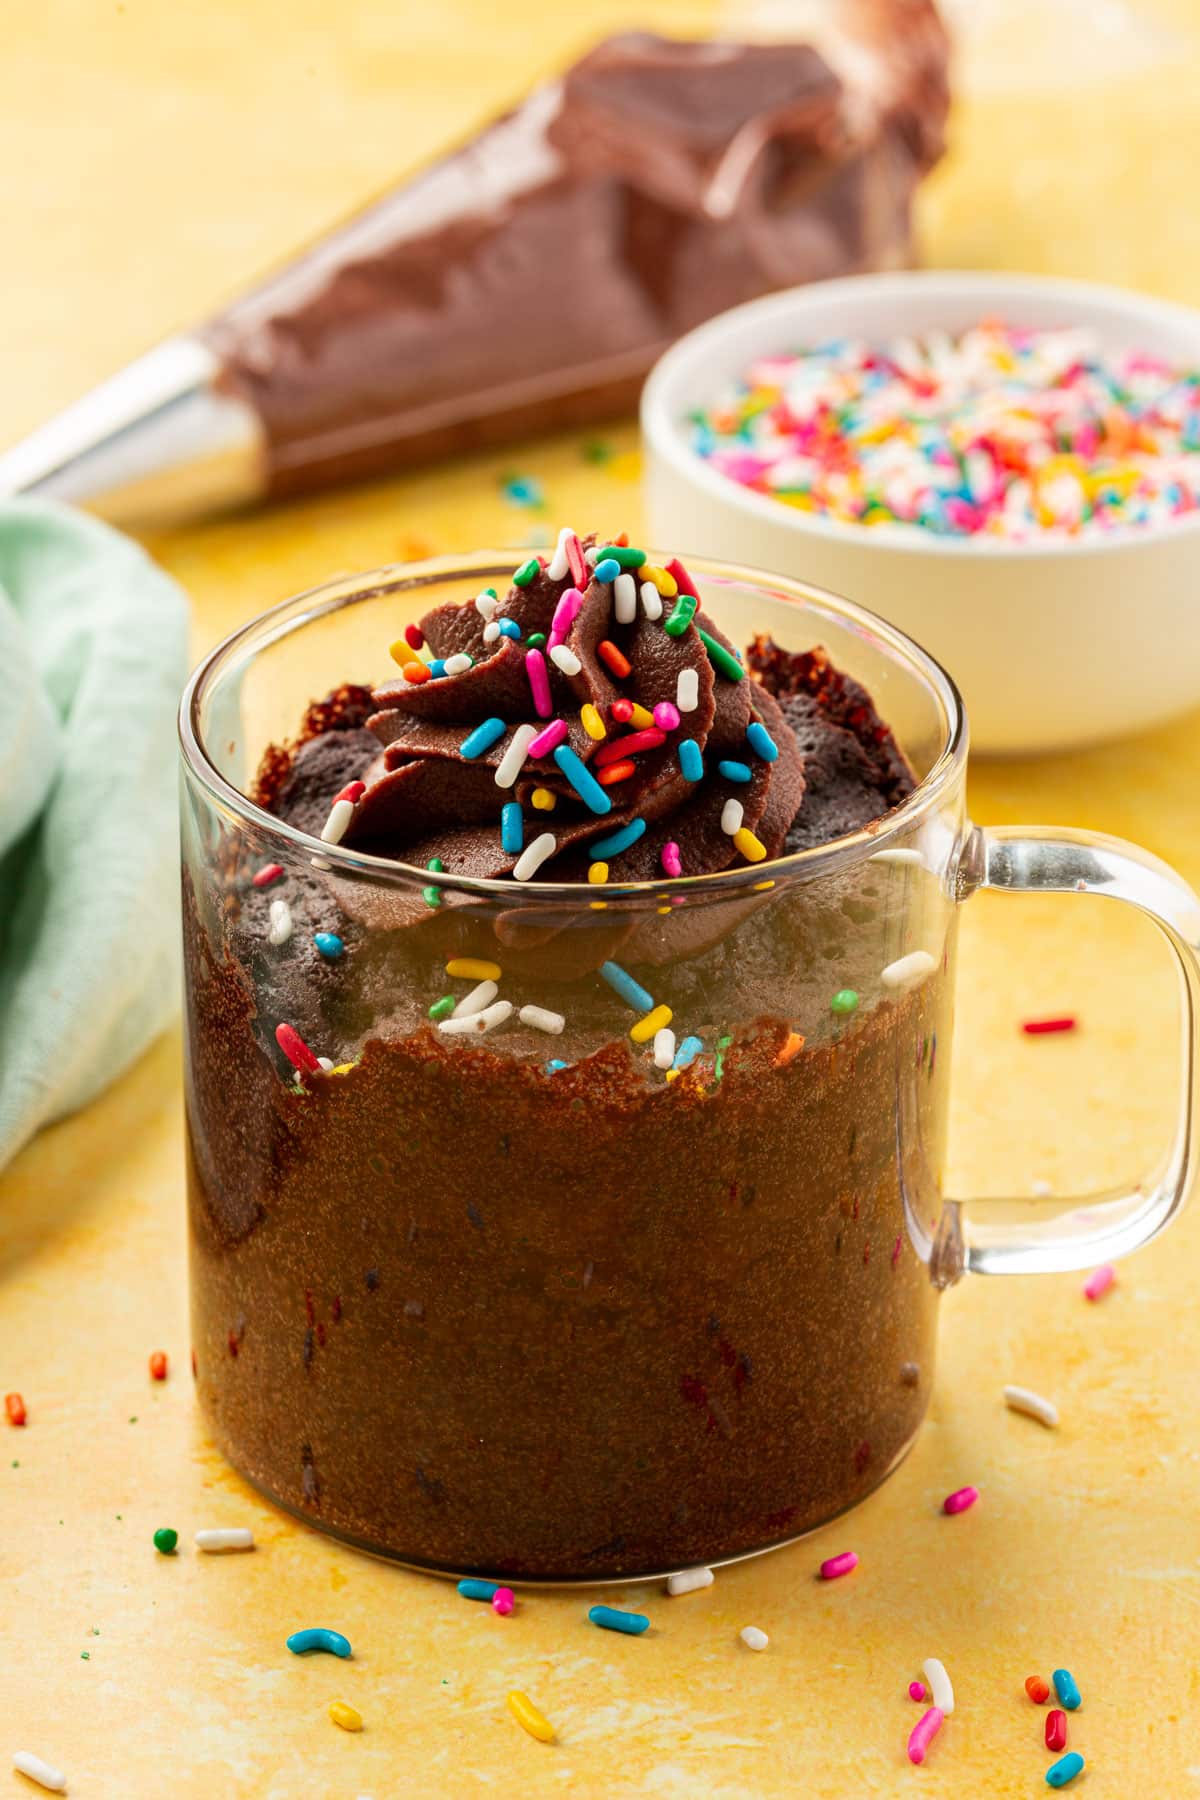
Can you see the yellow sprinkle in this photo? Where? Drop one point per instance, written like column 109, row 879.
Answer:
column 673, row 1074
column 591, row 721
column 760, row 887
column 472, row 968
column 402, row 652
column 348, row 1717
column 526, row 1713
column 664, row 910
column 544, row 800
column 642, row 717
column 745, row 841
column 598, row 872
column 598, row 905
column 343, row 1068
column 666, row 584
column 644, row 1030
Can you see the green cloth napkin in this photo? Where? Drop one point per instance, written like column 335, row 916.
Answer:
column 93, row 653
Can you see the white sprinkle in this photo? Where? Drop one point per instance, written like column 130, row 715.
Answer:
column 558, row 565
column 687, row 690
column 491, row 631
column 753, row 1638
column 458, row 664
column 513, row 760
column 664, row 1056
column 651, row 601
column 1024, row 1400
column 731, row 817
column 940, row 1690
column 565, row 659
column 909, row 971
column 487, row 1020
column 476, row 1000
column 230, row 1537
column 688, row 1580
column 625, row 598
column 44, row 1773
column 1041, row 1190
column 485, row 606
column 592, row 556
column 279, row 930
column 542, row 1019
column 899, row 856
column 319, row 862
column 326, row 1063
column 534, row 855
column 340, row 815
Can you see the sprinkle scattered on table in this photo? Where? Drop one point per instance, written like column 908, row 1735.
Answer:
column 1047, row 1027
column 318, row 1637
column 1037, row 1689
column 1067, row 1690
column 1099, row 1282
column 753, row 1638
column 1064, row 1770
column 37, row 1769
column 228, row 1537
column 527, row 1715
column 688, row 1580
column 165, row 1540
column 14, row 1407
column 835, row 1566
column 158, row 1365
column 940, row 1690
column 345, row 1715
column 1024, row 1400
column 960, row 1500
column 923, row 1734
column 612, row 1618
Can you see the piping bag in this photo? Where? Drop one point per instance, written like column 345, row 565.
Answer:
column 528, row 280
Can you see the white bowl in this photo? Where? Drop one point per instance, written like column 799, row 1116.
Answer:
column 1054, row 643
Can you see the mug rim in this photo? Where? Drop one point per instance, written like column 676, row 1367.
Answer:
column 301, row 609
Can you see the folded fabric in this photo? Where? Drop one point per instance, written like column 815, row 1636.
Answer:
column 93, row 653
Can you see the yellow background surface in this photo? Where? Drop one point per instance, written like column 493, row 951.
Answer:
column 152, row 156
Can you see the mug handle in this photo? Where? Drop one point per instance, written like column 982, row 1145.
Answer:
column 1077, row 1231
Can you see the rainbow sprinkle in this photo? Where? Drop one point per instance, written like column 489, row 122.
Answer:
column 999, row 433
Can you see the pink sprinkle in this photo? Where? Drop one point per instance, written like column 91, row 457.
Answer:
column 549, row 739
column 670, row 860
column 575, row 562
column 503, row 1601
column 267, row 874
column 916, row 1690
column 923, row 1734
column 1099, row 1282
column 539, row 683
column 353, row 792
column 839, row 1565
column 960, row 1499
column 666, row 716
column 565, row 615
column 414, row 636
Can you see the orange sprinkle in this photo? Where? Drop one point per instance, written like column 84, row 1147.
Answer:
column 1037, row 1689
column 618, row 771
column 614, row 659
column 14, row 1406
column 415, row 672
column 158, row 1365
column 791, row 1047
column 622, row 539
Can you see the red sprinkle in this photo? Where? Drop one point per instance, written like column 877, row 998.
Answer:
column 1040, row 1027
column 618, row 771
column 1037, row 1689
column 960, row 1499
column 617, row 749
column 683, row 580
column 1056, row 1730
column 613, row 659
column 353, row 790
column 158, row 1365
column 621, row 711
column 295, row 1048
column 267, row 874
column 414, row 635
column 575, row 562
column 14, row 1406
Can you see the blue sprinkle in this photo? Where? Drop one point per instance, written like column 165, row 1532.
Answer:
column 691, row 763
column 478, row 1590
column 554, row 1065
column 608, row 570
column 1064, row 1686
column 1065, row 1769
column 609, row 1619
column 329, row 944
column 437, row 667
column 512, row 829
column 631, row 991
column 509, row 628
column 524, row 490
column 688, row 1051
column 761, row 741
column 616, row 840
column 318, row 1638
column 482, row 738
column 584, row 783
column 734, row 771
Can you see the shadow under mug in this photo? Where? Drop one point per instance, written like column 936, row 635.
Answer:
column 536, row 1307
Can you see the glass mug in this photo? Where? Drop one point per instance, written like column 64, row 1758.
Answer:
column 480, row 1308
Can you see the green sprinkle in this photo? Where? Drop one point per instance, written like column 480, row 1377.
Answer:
column 625, row 554
column 681, row 615
column 597, row 451
column 441, row 1009
column 165, row 1540
column 133, row 1418
column 722, row 659
column 723, row 1044
column 536, row 639
column 85, row 1655
column 525, row 574
column 433, row 896
column 16, row 1465
column 844, row 1001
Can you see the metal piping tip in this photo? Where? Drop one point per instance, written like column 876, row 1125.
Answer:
column 154, row 444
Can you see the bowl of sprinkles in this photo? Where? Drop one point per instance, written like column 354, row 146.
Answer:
column 1007, row 467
